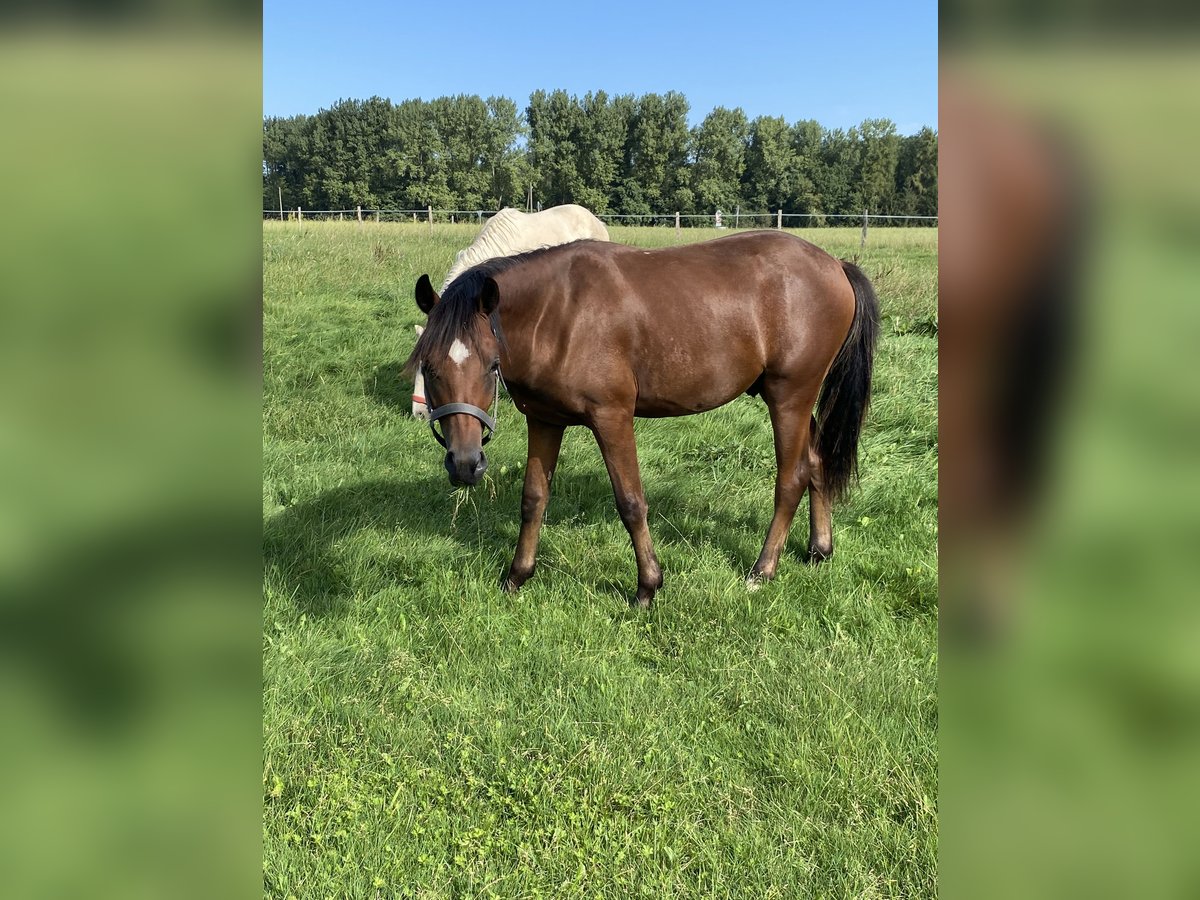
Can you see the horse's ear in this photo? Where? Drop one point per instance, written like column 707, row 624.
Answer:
column 427, row 297
column 489, row 297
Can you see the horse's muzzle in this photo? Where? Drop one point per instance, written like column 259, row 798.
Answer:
column 466, row 471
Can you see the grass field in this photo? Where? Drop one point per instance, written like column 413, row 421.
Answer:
column 426, row 735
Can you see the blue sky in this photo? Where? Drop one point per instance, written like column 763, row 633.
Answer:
column 836, row 62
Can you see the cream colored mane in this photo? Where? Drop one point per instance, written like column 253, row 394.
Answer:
column 511, row 231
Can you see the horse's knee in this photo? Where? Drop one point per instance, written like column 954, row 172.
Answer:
column 789, row 491
column 533, row 502
column 631, row 506
column 803, row 473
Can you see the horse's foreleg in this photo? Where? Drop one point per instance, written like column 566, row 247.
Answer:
column 614, row 434
column 544, row 444
column 820, row 517
column 790, row 421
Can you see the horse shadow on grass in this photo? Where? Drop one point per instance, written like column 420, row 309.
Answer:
column 391, row 386
column 355, row 540
column 358, row 538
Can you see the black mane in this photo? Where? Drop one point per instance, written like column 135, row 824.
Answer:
column 452, row 319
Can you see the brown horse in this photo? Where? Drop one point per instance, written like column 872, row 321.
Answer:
column 594, row 334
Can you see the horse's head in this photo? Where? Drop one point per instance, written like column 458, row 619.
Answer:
column 459, row 356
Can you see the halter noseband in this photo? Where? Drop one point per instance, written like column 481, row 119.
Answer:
column 450, row 409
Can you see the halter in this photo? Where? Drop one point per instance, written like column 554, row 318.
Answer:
column 450, row 409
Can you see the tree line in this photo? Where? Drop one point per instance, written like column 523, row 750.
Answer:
column 622, row 154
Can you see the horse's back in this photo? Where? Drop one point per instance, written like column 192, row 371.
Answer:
column 685, row 328
column 746, row 271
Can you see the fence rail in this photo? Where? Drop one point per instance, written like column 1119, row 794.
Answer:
column 720, row 219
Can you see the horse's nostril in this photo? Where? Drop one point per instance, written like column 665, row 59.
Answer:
column 481, row 466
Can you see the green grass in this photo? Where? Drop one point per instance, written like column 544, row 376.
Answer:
column 426, row 735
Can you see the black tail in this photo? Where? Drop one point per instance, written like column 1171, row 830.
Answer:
column 846, row 393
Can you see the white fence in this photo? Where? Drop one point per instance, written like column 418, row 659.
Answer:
column 720, row 219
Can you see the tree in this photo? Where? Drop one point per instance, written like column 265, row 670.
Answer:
column 554, row 128
column 876, row 186
column 604, row 129
column 285, row 159
column 806, row 144
column 503, row 158
column 917, row 174
column 834, row 177
column 770, row 179
column 416, row 158
column 632, row 155
column 656, row 158
column 462, row 127
column 719, row 159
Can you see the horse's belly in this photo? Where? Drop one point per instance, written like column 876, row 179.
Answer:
column 691, row 392
column 661, row 409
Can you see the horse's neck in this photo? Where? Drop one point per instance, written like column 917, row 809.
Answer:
column 520, row 311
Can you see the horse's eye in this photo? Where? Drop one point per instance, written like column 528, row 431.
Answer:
column 495, row 366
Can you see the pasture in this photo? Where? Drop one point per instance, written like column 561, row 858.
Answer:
column 428, row 736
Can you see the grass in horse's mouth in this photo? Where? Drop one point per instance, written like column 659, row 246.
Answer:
column 464, row 495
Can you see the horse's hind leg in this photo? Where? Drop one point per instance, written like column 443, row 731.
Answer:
column 820, row 516
column 614, row 434
column 790, row 419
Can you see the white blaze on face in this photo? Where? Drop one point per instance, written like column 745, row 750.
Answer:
column 459, row 352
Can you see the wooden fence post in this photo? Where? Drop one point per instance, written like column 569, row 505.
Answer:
column 677, row 234
column 779, row 219
column 429, row 210
column 376, row 217
column 360, row 215
column 299, row 214
column 863, row 242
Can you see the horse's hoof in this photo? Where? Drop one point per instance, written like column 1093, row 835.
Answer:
column 817, row 555
column 641, row 602
column 755, row 580
column 514, row 579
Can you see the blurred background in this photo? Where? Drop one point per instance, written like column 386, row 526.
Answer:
column 130, row 760
column 1069, row 416
column 129, row 449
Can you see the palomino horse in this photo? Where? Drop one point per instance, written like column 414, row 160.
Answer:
column 512, row 231
column 594, row 333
